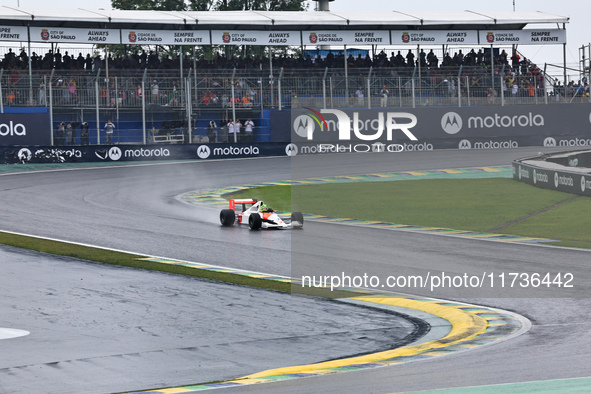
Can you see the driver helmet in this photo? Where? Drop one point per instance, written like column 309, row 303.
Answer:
column 263, row 207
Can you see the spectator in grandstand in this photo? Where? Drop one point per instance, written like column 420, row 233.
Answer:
column 432, row 60
column 249, row 129
column 360, row 97
column 88, row 63
column 60, row 133
column 384, row 93
column 423, row 58
column 230, row 127
column 104, row 95
column 214, row 100
column 410, row 59
column 503, row 57
column 515, row 60
column 246, row 103
column 109, row 128
column 71, row 133
column 84, row 133
column 447, row 60
column 9, row 58
column 139, row 92
column 205, row 100
column 155, row 92
column 212, row 131
column 237, row 127
column 399, row 60
column 514, row 90
column 225, row 101
column 11, row 97
column 41, row 97
column 73, row 94
column 122, row 96
column 490, row 94
column 97, row 63
column 79, row 61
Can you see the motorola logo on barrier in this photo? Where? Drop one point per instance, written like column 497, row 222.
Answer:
column 291, row 149
column 452, row 123
column 203, row 151
column 585, row 184
column 465, row 144
column 114, row 153
column 307, row 125
column 11, row 129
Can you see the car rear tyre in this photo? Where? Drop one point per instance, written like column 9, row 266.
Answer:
column 297, row 217
column 227, row 217
column 254, row 221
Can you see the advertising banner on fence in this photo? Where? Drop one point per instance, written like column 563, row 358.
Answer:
column 25, row 129
column 558, row 122
column 75, row 35
column 523, row 37
column 255, row 37
column 435, row 37
column 339, row 130
column 346, row 37
column 165, row 37
column 13, row 33
column 119, row 153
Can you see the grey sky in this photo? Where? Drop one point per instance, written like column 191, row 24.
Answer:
column 577, row 10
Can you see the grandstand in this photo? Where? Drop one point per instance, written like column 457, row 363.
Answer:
column 460, row 59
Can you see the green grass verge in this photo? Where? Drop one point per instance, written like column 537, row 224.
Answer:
column 135, row 261
column 478, row 205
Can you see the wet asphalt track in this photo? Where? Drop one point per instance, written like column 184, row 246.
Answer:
column 135, row 209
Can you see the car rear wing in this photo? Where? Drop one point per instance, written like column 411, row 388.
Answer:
column 242, row 201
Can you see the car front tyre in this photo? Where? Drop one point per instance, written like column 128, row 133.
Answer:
column 254, row 221
column 227, row 217
column 297, row 217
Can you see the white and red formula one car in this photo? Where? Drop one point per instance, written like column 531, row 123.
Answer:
column 257, row 215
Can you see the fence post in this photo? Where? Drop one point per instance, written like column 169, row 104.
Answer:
column 1, row 99
column 468, row 90
column 459, row 91
column 51, row 104
column 369, row 88
column 279, row 97
column 413, row 92
column 144, row 106
column 234, row 105
column 117, row 107
column 502, row 91
column 96, row 93
column 188, row 106
column 324, row 88
column 400, row 90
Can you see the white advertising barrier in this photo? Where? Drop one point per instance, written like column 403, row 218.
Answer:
column 435, row 37
column 165, row 37
column 524, row 37
column 75, row 35
column 255, row 37
column 346, row 37
column 13, row 33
